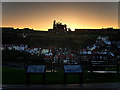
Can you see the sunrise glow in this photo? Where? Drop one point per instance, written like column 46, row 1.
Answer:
column 40, row 16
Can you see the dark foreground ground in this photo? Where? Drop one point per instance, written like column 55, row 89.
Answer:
column 95, row 86
column 17, row 76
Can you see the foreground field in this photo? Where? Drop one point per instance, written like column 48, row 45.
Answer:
column 17, row 76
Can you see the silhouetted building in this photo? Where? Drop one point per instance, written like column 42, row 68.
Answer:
column 58, row 27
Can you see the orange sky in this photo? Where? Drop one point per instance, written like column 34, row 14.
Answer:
column 40, row 16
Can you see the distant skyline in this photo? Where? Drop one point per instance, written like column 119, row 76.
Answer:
column 78, row 15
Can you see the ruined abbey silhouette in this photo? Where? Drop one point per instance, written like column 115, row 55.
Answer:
column 59, row 28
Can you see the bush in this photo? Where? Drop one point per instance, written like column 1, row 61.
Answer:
column 8, row 55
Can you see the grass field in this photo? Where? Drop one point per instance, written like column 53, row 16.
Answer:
column 17, row 76
column 40, row 39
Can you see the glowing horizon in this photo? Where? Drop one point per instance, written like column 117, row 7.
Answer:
column 67, row 27
column 40, row 16
column 72, row 28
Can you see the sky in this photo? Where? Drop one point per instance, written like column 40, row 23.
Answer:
column 77, row 15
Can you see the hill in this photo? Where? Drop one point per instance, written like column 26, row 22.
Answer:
column 44, row 39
